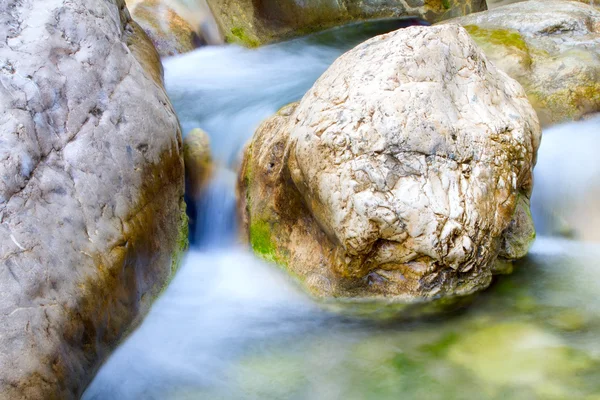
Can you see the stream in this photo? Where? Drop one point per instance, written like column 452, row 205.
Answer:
column 231, row 326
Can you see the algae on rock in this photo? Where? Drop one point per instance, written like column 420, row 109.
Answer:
column 256, row 22
column 552, row 47
column 387, row 183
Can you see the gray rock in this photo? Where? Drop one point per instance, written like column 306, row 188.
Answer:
column 91, row 189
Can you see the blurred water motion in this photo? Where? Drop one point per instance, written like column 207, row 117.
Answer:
column 229, row 90
column 231, row 326
column 567, row 181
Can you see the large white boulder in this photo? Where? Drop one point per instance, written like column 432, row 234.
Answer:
column 404, row 173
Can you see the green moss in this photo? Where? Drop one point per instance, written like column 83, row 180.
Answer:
column 572, row 102
column 519, row 353
column 260, row 240
column 239, row 35
column 183, row 242
column 446, row 4
column 440, row 348
column 499, row 37
column 181, row 245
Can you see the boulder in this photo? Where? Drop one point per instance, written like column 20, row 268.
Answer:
column 198, row 161
column 552, row 47
column 168, row 31
column 256, row 22
column 92, row 217
column 403, row 175
column 499, row 3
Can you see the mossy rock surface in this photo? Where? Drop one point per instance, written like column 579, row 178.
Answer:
column 254, row 23
column 552, row 48
column 333, row 211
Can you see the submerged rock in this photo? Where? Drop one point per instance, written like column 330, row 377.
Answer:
column 168, row 31
column 521, row 355
column 404, row 174
column 91, row 190
column 552, row 47
column 252, row 22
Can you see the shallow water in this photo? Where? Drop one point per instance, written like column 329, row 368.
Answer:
column 231, row 326
column 567, row 181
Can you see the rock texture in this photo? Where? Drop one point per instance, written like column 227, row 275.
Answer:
column 552, row 47
column 404, row 173
column 499, row 3
column 255, row 22
column 198, row 162
column 92, row 218
column 168, row 31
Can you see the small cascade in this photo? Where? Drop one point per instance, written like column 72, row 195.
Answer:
column 228, row 90
column 230, row 326
column 213, row 216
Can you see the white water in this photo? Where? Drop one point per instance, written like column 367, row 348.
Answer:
column 567, row 181
column 231, row 326
column 225, row 309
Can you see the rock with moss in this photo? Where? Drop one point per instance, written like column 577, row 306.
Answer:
column 91, row 190
column 499, row 3
column 198, row 161
column 253, row 23
column 401, row 177
column 169, row 32
column 552, row 47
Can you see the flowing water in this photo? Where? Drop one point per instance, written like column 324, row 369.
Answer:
column 231, row 326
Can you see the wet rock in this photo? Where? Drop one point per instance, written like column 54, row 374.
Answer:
column 91, row 190
column 498, row 3
column 168, row 31
column 401, row 175
column 253, row 23
column 198, row 161
column 551, row 47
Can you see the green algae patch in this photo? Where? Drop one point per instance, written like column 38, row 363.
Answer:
column 182, row 243
column 520, row 354
column 440, row 348
column 239, row 35
column 270, row 377
column 260, row 240
column 570, row 103
column 499, row 37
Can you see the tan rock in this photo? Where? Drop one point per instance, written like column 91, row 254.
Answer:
column 198, row 161
column 403, row 174
column 552, row 47
column 168, row 31
column 256, row 22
